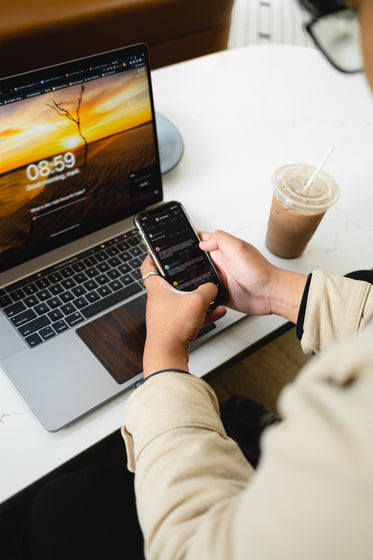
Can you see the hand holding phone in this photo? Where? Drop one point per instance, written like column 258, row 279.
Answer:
column 173, row 243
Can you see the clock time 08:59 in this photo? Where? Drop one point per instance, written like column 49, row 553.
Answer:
column 45, row 168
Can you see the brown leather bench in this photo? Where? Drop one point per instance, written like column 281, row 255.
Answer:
column 42, row 32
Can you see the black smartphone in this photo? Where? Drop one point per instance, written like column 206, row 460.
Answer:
column 173, row 243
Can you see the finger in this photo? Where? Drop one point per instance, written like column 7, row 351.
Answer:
column 204, row 235
column 208, row 242
column 208, row 292
column 148, row 266
column 215, row 315
column 149, row 272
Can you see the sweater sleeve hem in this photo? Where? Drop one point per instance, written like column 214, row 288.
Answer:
column 186, row 399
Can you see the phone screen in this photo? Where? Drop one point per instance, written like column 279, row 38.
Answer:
column 175, row 244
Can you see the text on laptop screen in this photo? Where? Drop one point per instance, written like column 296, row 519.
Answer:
column 78, row 151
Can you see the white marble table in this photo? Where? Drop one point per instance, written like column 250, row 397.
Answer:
column 242, row 113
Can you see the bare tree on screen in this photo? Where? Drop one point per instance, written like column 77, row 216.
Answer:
column 58, row 107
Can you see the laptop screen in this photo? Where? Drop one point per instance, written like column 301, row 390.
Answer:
column 78, row 151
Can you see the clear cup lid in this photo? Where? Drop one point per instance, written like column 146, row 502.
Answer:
column 289, row 183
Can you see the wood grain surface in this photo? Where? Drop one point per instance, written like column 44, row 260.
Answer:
column 117, row 339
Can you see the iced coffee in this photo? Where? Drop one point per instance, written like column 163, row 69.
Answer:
column 297, row 208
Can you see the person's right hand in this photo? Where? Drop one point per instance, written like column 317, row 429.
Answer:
column 255, row 286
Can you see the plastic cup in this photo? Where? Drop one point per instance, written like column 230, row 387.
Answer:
column 297, row 210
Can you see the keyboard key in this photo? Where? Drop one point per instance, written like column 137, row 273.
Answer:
column 41, row 308
column 124, row 268
column 23, row 317
column 80, row 302
column 47, row 333
column 134, row 241
column 79, row 291
column 136, row 251
column 113, row 273
column 56, row 289
column 102, row 279
column 68, row 308
column 127, row 279
column 92, row 272
column 90, row 261
column 55, row 315
column 33, row 340
column 115, row 285
column 92, row 297
column 30, row 289
column 112, row 251
column 68, row 283
column 123, row 245
column 15, row 308
column 104, row 291
column 114, row 261
column 44, row 295
column 80, row 278
column 126, row 256
column 5, row 300
column 135, row 263
column 17, row 295
column 42, row 283
column 31, row 301
column 67, row 296
column 79, row 266
column 67, row 272
column 55, row 277
column 90, row 285
column 60, row 326
column 112, row 299
column 74, row 319
column 103, row 266
column 34, row 325
column 54, row 302
column 102, row 256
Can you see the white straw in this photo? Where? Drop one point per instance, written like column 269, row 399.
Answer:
column 318, row 169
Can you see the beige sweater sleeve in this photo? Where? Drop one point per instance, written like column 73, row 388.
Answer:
column 189, row 474
column 337, row 307
column 312, row 494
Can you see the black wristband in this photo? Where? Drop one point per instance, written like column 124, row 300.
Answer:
column 302, row 309
column 156, row 373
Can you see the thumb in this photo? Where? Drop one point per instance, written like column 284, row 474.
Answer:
column 208, row 242
column 208, row 293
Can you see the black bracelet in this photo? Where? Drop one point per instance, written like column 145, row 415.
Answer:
column 141, row 381
column 302, row 309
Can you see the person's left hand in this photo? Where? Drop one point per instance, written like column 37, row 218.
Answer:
column 173, row 320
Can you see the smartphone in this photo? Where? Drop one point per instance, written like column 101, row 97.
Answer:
column 173, row 243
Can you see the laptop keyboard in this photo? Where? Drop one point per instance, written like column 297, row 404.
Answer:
column 57, row 298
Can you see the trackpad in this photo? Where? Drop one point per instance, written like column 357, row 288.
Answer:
column 117, row 339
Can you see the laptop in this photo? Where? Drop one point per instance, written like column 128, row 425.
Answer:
column 79, row 158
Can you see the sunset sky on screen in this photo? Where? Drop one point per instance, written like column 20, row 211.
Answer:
column 31, row 130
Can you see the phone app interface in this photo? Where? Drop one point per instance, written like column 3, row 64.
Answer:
column 174, row 241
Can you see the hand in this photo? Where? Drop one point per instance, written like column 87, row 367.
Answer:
column 255, row 286
column 173, row 320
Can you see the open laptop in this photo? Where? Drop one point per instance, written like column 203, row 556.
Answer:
column 79, row 157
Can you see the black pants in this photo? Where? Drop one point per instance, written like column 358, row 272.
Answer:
column 88, row 514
